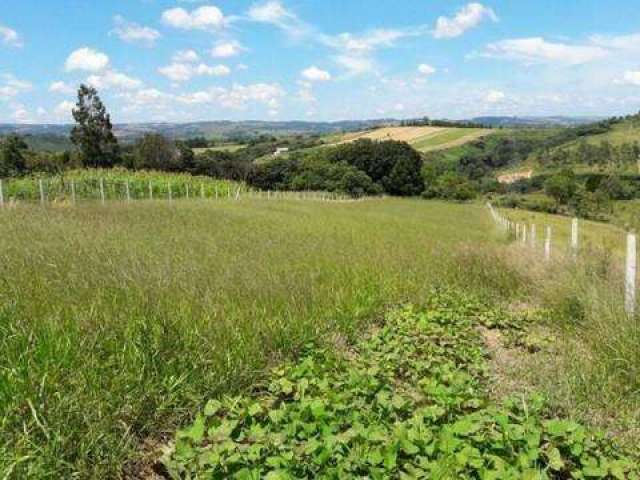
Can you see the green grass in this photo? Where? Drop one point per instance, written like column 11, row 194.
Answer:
column 448, row 138
column 58, row 188
column 220, row 148
column 117, row 322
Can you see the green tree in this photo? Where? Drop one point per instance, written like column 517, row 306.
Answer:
column 405, row 178
column 12, row 156
column 561, row 187
column 93, row 133
column 156, row 152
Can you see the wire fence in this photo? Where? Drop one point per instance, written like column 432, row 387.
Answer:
column 527, row 235
column 102, row 190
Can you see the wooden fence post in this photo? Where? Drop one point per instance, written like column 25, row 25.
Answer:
column 128, row 191
column 150, row 190
column 170, row 192
column 73, row 192
column 631, row 272
column 524, row 234
column 1, row 195
column 187, row 186
column 202, row 191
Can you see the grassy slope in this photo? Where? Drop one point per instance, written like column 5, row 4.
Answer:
column 115, row 322
column 424, row 139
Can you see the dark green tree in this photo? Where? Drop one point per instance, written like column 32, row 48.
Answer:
column 93, row 133
column 156, row 152
column 12, row 156
column 561, row 187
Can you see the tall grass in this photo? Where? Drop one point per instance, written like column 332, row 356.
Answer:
column 117, row 321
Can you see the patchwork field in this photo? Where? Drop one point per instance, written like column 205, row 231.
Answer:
column 424, row 139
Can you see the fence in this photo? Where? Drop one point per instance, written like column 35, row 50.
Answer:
column 73, row 191
column 520, row 232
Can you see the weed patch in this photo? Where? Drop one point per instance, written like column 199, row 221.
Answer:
column 409, row 402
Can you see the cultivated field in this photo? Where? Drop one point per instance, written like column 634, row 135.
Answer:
column 424, row 139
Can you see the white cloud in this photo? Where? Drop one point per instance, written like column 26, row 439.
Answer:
column 631, row 78
column 367, row 42
column 182, row 72
column 537, row 50
column 113, row 79
column 494, row 96
column 10, row 86
column 63, row 110
column 264, row 93
column 9, row 36
column 355, row 65
column 426, row 70
column 314, row 74
column 226, row 49
column 87, row 59
column 133, row 33
column 61, row 87
column 617, row 42
column 186, row 56
column 466, row 18
column 206, row 17
column 273, row 12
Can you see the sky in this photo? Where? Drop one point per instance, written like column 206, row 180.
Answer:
column 193, row 60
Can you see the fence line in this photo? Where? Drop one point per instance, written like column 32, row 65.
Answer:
column 103, row 191
column 631, row 266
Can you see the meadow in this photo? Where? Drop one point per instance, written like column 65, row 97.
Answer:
column 117, row 321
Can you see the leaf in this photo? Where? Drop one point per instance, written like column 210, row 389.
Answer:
column 212, row 407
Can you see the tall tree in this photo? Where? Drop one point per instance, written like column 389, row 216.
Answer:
column 93, row 133
column 12, row 156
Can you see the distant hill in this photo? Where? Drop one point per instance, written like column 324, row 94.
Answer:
column 219, row 129
column 530, row 122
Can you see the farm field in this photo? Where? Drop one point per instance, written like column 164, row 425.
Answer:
column 220, row 148
column 424, row 139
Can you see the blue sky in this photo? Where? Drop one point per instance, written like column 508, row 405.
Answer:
column 191, row 60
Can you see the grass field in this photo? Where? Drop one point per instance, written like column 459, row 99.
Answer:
column 424, row 139
column 116, row 322
column 220, row 148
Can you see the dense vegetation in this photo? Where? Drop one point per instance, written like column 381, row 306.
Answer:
column 408, row 401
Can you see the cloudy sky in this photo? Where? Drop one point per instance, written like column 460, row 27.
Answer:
column 187, row 60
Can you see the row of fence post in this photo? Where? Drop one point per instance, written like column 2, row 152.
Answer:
column 217, row 194
column 631, row 265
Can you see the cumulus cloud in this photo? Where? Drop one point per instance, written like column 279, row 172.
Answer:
column 426, row 70
column 182, row 72
column 186, row 56
column 112, row 79
column 366, row 42
column 466, row 18
column 237, row 97
column 226, row 49
column 10, row 37
column 131, row 32
column 314, row 74
column 61, row 87
column 537, row 50
column 86, row 59
column 629, row 42
column 206, row 17
column 494, row 96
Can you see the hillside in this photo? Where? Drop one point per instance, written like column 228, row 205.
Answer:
column 423, row 139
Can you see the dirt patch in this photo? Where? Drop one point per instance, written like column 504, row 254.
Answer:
column 506, row 366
